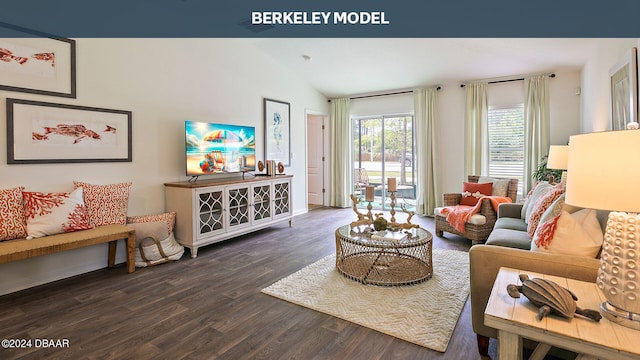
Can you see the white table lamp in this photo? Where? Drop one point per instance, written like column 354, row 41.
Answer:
column 602, row 174
column 559, row 159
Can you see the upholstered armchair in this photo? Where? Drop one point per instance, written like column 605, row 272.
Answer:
column 480, row 225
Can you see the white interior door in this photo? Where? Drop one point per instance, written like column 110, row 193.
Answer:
column 316, row 161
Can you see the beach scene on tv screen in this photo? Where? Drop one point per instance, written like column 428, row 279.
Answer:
column 219, row 148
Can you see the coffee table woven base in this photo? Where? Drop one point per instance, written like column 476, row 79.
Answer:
column 386, row 263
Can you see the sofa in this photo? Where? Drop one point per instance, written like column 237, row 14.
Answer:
column 509, row 245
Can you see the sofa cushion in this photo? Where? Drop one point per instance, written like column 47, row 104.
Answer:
column 54, row 213
column 509, row 238
column 12, row 220
column 511, row 224
column 472, row 192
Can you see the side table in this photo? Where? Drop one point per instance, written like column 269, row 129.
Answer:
column 517, row 318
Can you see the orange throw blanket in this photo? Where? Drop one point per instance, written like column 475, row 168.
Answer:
column 458, row 215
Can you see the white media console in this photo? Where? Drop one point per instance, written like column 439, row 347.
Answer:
column 212, row 211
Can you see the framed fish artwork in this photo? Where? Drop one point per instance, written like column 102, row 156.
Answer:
column 40, row 132
column 36, row 62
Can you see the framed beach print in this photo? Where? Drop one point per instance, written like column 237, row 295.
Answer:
column 624, row 91
column 34, row 62
column 41, row 132
column 277, row 126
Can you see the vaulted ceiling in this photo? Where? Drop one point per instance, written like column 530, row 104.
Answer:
column 346, row 67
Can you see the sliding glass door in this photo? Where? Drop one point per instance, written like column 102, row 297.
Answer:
column 384, row 148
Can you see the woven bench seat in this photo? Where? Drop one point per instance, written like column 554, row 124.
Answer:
column 19, row 249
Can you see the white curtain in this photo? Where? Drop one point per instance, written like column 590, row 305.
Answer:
column 536, row 126
column 341, row 168
column 427, row 191
column 476, row 149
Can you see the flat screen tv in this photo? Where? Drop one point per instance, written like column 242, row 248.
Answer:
column 219, row 148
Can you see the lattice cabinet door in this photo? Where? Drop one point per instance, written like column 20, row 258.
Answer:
column 282, row 198
column 238, row 206
column 210, row 212
column 261, row 195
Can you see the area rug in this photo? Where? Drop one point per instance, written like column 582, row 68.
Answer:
column 424, row 314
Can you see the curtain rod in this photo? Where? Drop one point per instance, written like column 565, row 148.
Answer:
column 552, row 75
column 394, row 93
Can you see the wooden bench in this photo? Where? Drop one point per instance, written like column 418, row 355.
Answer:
column 19, row 249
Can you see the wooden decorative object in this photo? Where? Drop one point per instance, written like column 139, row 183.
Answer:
column 407, row 224
column 368, row 218
column 363, row 219
column 393, row 203
column 550, row 298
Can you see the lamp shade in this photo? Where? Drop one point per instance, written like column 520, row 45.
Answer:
column 603, row 171
column 558, row 157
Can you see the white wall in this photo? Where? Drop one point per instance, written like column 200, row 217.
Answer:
column 564, row 112
column 164, row 82
column 382, row 105
column 595, row 83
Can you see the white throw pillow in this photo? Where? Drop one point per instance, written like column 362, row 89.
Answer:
column 577, row 234
column 54, row 213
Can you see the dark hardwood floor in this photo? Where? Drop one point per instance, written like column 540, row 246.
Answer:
column 211, row 306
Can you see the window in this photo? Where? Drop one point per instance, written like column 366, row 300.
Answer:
column 506, row 142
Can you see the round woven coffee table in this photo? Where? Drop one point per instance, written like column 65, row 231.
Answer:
column 384, row 262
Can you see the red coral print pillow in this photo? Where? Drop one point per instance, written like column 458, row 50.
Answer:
column 541, row 206
column 106, row 204
column 12, row 221
column 471, row 192
column 54, row 213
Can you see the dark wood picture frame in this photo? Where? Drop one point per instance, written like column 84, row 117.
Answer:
column 42, row 133
column 277, row 131
column 37, row 62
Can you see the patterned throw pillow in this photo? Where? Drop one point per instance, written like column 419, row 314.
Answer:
column 12, row 220
column 54, row 213
column 471, row 192
column 541, row 205
column 106, row 204
column 539, row 190
column 548, row 222
column 169, row 218
column 577, row 234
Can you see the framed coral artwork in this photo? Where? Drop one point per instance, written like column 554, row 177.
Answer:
column 36, row 62
column 41, row 132
column 277, row 140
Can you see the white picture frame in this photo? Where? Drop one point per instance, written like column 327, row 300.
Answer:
column 624, row 91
